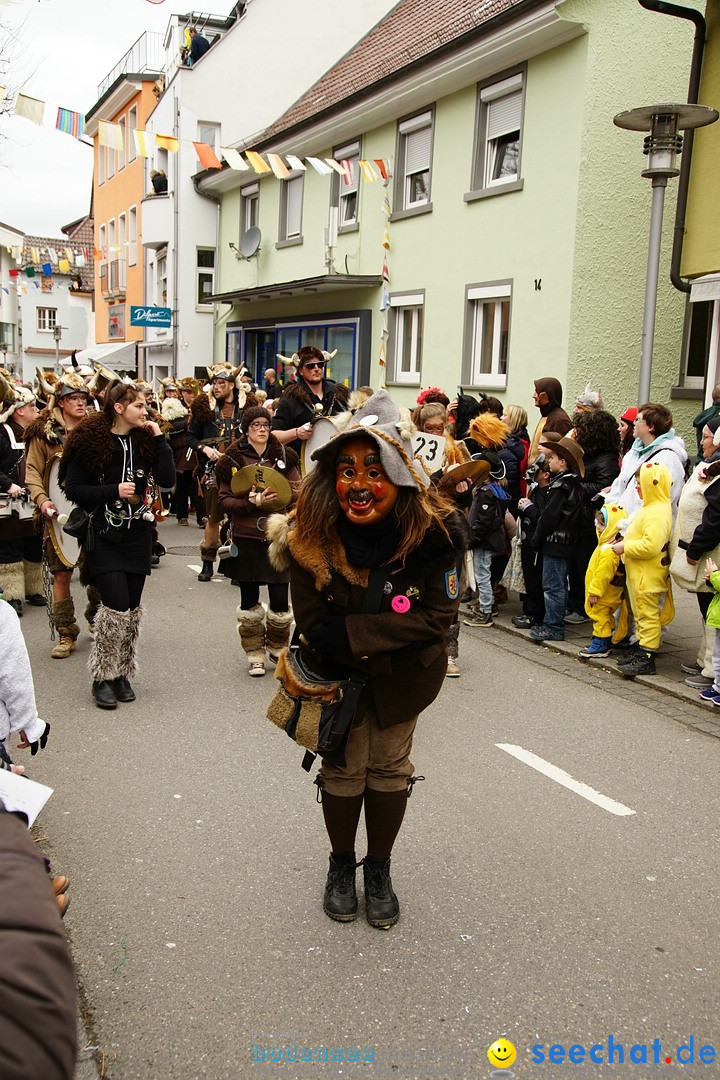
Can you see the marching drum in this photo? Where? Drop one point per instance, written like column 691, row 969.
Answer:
column 66, row 547
column 322, row 431
column 18, row 506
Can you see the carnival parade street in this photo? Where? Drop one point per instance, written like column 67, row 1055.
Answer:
column 547, row 911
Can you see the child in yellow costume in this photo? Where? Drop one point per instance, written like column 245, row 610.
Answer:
column 647, row 564
column 605, row 584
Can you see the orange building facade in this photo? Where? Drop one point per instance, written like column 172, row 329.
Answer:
column 119, row 185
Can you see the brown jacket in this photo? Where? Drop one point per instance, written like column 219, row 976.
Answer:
column 403, row 652
column 44, row 440
column 38, row 1032
column 246, row 518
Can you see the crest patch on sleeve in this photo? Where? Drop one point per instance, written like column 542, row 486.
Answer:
column 452, row 584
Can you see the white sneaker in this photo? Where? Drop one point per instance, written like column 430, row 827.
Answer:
column 256, row 668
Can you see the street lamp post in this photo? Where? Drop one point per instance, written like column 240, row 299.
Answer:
column 57, row 334
column 661, row 147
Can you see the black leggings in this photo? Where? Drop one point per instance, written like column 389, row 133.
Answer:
column 250, row 596
column 120, row 591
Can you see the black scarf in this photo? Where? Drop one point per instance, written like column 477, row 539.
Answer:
column 368, row 546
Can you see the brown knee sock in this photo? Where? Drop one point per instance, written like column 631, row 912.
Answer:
column 341, row 821
column 384, row 813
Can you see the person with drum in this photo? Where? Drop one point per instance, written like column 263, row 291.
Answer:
column 310, row 396
column 257, row 476
column 20, row 546
column 111, row 464
column 214, row 423
column 67, row 405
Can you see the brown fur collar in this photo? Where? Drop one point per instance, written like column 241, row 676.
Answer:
column 91, row 444
column 298, row 390
column 201, row 410
column 48, row 426
column 286, row 544
column 237, row 452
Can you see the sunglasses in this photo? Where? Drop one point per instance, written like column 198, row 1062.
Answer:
column 314, row 364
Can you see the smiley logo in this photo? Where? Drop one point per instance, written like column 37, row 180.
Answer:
column 502, row 1054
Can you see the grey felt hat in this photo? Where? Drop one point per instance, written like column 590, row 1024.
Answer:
column 379, row 419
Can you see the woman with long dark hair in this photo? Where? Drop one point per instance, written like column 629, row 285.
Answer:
column 374, row 590
column 110, row 466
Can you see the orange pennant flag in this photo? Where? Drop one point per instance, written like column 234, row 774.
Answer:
column 167, row 142
column 207, row 156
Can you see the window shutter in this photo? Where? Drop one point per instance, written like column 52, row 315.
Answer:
column 417, row 151
column 504, row 114
column 294, row 206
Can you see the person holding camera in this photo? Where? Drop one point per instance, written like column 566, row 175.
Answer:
column 110, row 465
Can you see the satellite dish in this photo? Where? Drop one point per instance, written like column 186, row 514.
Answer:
column 250, row 242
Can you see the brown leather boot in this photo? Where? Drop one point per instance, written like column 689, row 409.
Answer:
column 60, row 884
column 65, row 644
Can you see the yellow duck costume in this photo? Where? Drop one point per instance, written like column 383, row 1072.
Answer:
column 647, row 562
column 605, row 579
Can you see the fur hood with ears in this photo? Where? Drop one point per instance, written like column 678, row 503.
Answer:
column 172, row 409
column 488, row 431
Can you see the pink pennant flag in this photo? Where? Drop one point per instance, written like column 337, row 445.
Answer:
column 347, row 172
column 278, row 166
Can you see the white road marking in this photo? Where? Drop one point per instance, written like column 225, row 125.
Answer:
column 561, row 777
column 191, row 566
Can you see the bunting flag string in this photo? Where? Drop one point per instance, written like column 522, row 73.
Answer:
column 385, row 298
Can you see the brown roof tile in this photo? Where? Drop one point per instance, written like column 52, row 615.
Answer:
column 412, row 30
column 80, row 237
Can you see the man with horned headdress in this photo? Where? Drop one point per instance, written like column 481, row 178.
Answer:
column 20, row 552
column 67, row 405
column 309, row 396
column 215, row 423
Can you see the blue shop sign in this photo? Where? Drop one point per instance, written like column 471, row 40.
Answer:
column 150, row 316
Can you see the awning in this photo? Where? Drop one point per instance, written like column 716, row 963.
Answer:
column 327, row 283
column 705, row 288
column 122, row 354
column 156, row 343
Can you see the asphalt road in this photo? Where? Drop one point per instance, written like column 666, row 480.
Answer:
column 197, row 855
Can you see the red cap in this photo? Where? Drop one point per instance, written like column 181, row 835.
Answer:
column 630, row 415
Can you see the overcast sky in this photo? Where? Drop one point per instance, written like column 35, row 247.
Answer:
column 61, row 50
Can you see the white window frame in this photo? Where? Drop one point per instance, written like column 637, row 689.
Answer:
column 205, row 128
column 415, row 153
column 161, row 279
column 291, row 209
column 132, row 236
column 486, row 302
column 131, row 126
column 202, row 271
column 400, row 305
column 121, row 154
column 101, row 165
column 341, row 193
column 46, row 319
column 501, row 107
column 249, row 199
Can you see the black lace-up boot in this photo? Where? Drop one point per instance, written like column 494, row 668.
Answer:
column 340, row 899
column 381, row 904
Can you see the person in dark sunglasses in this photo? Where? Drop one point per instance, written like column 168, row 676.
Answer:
column 309, row 396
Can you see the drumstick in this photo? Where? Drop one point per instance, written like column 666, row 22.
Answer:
column 62, row 518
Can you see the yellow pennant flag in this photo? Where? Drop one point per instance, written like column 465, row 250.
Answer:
column 69, row 254
column 143, row 145
column 234, row 159
column 258, row 164
column 278, row 166
column 367, row 171
column 30, row 108
column 35, row 254
column 64, row 266
column 110, row 135
column 167, row 142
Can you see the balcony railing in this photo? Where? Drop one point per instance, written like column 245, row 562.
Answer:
column 113, row 277
column 145, row 55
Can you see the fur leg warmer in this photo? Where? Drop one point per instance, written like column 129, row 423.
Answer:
column 33, row 578
column 209, row 552
column 12, row 580
column 93, row 604
column 128, row 663
column 63, row 618
column 452, row 640
column 278, row 631
column 251, row 628
column 106, row 660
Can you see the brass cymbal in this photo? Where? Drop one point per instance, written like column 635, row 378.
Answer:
column 465, row 470
column 262, row 476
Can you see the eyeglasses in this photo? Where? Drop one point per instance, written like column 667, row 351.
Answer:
column 260, row 425
column 314, row 363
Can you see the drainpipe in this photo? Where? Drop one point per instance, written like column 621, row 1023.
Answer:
column 664, row 8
